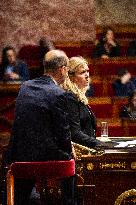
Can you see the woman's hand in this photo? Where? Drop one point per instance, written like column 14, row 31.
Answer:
column 105, row 56
column 112, row 42
column 14, row 76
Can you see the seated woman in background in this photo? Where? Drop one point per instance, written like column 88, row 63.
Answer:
column 129, row 111
column 12, row 70
column 82, row 119
column 107, row 47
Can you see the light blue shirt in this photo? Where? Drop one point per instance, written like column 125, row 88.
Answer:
column 9, row 69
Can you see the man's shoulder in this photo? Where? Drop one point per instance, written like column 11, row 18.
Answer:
column 43, row 85
column 39, row 93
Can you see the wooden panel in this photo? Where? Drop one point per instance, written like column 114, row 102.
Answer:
column 111, row 173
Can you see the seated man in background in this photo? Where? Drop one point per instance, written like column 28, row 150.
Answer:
column 125, row 84
column 12, row 69
column 129, row 111
column 107, row 46
column 132, row 49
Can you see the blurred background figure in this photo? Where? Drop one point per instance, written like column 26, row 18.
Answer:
column 129, row 110
column 90, row 90
column 132, row 49
column 45, row 45
column 125, row 84
column 12, row 69
column 107, row 46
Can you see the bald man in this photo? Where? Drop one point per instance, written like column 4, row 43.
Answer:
column 41, row 131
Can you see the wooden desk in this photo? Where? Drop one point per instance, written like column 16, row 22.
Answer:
column 107, row 68
column 110, row 173
column 7, row 88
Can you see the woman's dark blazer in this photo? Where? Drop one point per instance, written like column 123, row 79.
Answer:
column 82, row 122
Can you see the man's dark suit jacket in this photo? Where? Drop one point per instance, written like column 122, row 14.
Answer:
column 40, row 131
column 82, row 122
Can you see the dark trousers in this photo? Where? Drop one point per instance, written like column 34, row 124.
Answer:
column 69, row 191
column 23, row 189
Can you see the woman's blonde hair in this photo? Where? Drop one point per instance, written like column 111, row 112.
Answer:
column 74, row 64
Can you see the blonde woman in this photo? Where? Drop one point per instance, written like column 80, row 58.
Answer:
column 82, row 119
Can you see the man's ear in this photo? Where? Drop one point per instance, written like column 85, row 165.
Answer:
column 64, row 70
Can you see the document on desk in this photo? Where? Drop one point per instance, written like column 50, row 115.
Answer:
column 130, row 143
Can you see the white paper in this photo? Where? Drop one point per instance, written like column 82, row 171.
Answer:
column 122, row 144
column 126, row 143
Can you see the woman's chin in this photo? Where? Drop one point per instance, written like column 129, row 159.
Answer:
column 86, row 87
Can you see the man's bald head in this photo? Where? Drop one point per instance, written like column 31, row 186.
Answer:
column 55, row 59
column 53, row 54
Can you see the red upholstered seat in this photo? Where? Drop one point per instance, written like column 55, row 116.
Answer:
column 102, row 110
column 110, row 91
column 5, row 125
column 132, row 130
column 111, row 67
column 71, row 50
column 75, row 50
column 108, row 68
column 6, row 99
column 98, row 89
column 103, row 89
column 41, row 171
column 33, row 63
column 91, row 69
column 31, row 55
column 49, row 169
column 116, row 131
column 123, row 50
column 118, row 102
column 9, row 113
column 7, row 110
column 126, row 35
column 113, row 131
column 29, row 52
column 101, row 106
column 88, row 50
